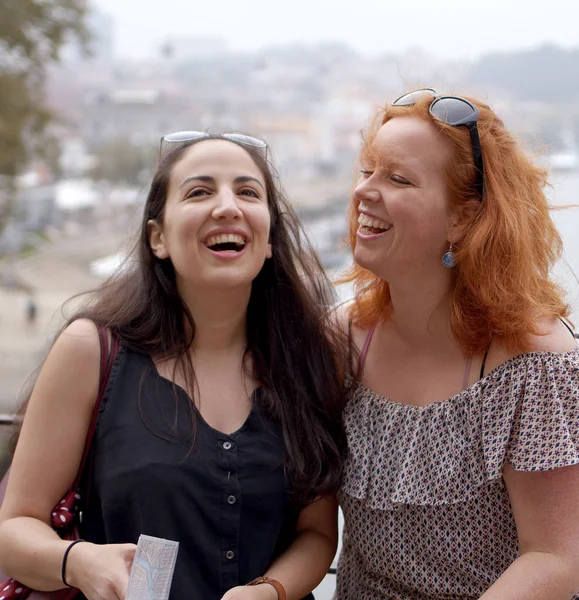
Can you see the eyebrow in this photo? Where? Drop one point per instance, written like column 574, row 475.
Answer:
column 209, row 179
column 394, row 161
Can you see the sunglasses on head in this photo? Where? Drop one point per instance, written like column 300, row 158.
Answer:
column 182, row 137
column 456, row 112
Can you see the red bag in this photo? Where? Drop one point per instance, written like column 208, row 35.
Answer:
column 65, row 515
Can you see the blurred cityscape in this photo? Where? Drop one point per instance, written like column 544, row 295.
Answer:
column 76, row 206
column 77, row 203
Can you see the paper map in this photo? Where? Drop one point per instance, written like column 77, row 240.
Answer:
column 152, row 570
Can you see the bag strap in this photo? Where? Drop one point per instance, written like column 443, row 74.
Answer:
column 108, row 355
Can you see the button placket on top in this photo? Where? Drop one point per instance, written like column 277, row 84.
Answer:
column 230, row 515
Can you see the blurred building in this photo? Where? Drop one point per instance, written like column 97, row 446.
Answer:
column 141, row 115
column 193, row 47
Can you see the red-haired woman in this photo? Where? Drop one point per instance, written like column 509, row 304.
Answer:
column 462, row 479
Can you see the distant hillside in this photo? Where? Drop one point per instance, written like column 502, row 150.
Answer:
column 547, row 74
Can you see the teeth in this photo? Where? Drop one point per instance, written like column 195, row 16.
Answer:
column 224, row 238
column 375, row 223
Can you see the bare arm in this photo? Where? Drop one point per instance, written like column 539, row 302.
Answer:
column 545, row 506
column 45, row 464
column 305, row 563
column 546, row 510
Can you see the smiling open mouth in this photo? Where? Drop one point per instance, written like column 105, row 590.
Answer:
column 226, row 242
column 370, row 226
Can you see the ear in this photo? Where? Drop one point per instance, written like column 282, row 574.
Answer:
column 268, row 251
column 157, row 240
column 454, row 230
column 460, row 219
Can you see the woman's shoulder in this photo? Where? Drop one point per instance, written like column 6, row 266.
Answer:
column 79, row 342
column 552, row 336
column 531, row 403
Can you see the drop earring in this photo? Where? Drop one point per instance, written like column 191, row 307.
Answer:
column 449, row 259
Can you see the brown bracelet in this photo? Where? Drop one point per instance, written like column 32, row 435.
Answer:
column 281, row 595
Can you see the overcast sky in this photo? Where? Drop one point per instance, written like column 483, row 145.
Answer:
column 446, row 28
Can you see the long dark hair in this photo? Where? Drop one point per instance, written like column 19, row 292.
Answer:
column 297, row 356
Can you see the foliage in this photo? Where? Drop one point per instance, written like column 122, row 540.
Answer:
column 121, row 162
column 32, row 34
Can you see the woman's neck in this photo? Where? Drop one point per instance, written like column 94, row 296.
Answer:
column 220, row 318
column 420, row 312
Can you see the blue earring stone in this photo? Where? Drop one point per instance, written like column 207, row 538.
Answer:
column 449, row 259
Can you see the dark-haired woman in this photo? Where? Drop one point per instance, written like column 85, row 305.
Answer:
column 220, row 427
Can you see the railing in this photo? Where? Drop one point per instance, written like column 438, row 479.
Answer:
column 7, row 419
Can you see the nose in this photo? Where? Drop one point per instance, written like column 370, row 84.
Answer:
column 366, row 191
column 226, row 206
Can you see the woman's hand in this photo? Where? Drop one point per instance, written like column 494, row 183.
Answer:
column 262, row 591
column 101, row 572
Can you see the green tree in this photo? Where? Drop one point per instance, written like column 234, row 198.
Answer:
column 120, row 162
column 32, row 33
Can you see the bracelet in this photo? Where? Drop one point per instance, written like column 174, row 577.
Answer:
column 64, row 561
column 274, row 582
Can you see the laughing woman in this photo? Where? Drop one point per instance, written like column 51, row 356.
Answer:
column 462, row 479
column 221, row 423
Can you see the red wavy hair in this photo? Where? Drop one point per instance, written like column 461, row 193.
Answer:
column 507, row 244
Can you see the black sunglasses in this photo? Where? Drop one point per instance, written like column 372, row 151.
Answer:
column 456, row 112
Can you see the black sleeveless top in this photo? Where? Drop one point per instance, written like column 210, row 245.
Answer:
column 224, row 498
